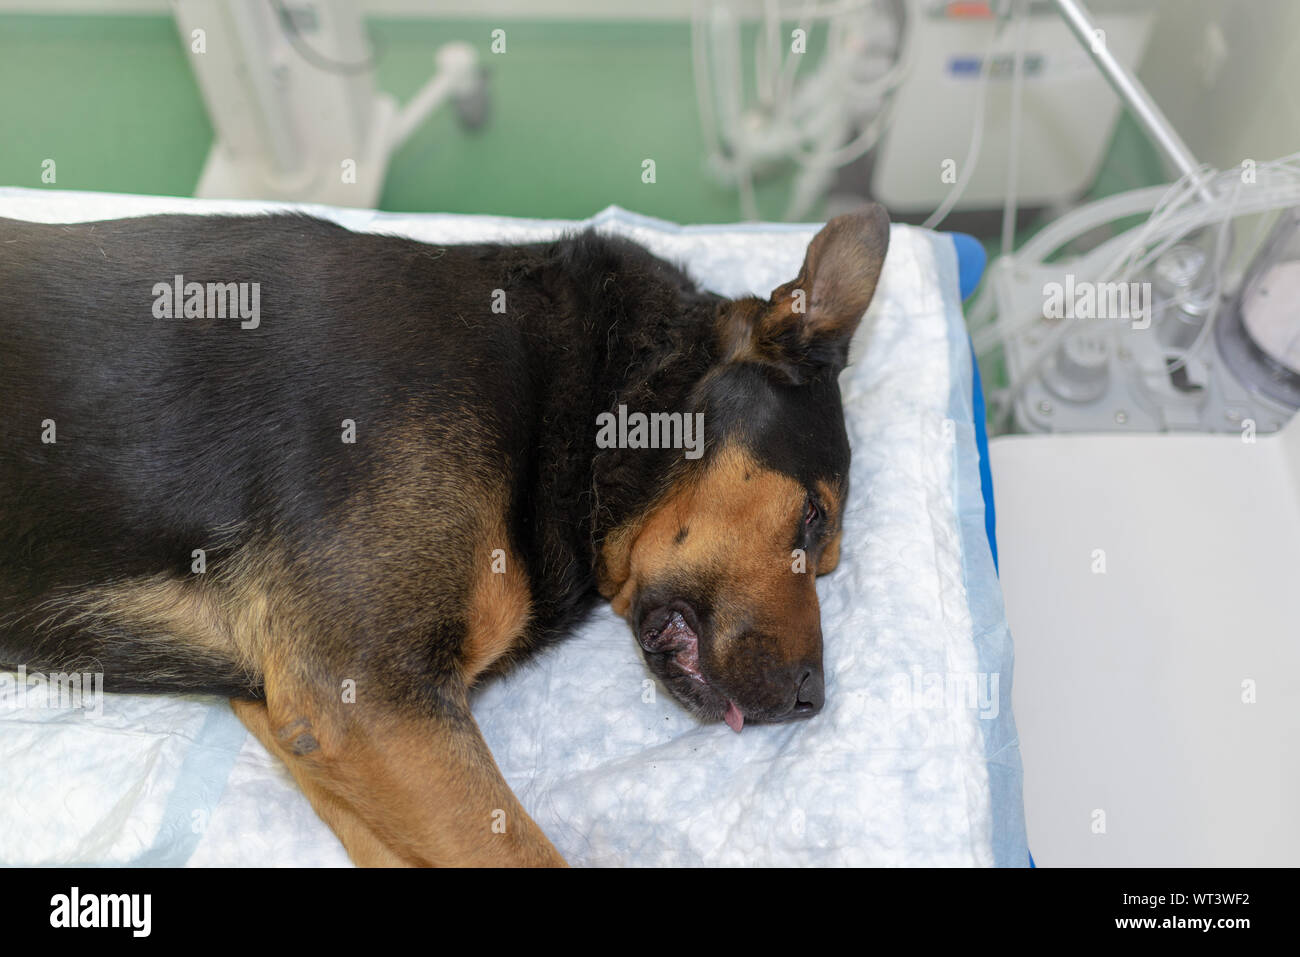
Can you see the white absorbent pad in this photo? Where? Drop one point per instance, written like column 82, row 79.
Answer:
column 913, row 761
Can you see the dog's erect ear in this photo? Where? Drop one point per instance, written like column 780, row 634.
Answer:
column 807, row 323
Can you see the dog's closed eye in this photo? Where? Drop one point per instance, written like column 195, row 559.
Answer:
column 813, row 513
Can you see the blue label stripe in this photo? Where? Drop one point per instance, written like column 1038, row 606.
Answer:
column 199, row 785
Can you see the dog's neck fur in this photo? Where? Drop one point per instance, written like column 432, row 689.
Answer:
column 622, row 328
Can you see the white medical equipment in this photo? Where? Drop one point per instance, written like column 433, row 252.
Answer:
column 290, row 89
column 819, row 121
column 1126, row 336
column 1030, row 91
column 1201, row 344
column 1259, row 337
column 907, row 79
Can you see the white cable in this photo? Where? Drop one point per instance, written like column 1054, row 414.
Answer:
column 817, row 120
column 767, row 53
column 1173, row 213
column 703, row 81
column 1277, row 184
column 1013, row 133
column 790, row 68
column 882, row 87
column 1058, row 233
column 1177, row 213
column 855, row 148
column 976, row 139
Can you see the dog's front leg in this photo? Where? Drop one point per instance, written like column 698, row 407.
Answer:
column 400, row 788
column 363, row 845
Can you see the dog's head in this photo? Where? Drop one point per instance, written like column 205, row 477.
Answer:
column 716, row 578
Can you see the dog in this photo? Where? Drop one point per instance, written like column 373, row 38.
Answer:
column 341, row 478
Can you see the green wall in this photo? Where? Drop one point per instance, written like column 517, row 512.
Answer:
column 575, row 110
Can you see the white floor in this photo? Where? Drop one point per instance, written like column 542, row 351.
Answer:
column 1152, row 586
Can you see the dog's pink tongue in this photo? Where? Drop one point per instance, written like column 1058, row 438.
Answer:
column 734, row 717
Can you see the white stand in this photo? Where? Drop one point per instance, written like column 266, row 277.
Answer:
column 294, row 106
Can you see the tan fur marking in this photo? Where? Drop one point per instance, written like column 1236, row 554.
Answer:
column 228, row 612
column 499, row 608
column 738, row 511
column 830, row 557
column 614, row 564
column 742, row 518
column 830, row 500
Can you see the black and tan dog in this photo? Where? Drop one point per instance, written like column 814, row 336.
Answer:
column 341, row 478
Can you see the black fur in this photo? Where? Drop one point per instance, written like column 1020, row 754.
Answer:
column 171, row 432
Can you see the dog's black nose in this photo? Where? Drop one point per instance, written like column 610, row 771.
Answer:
column 811, row 695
